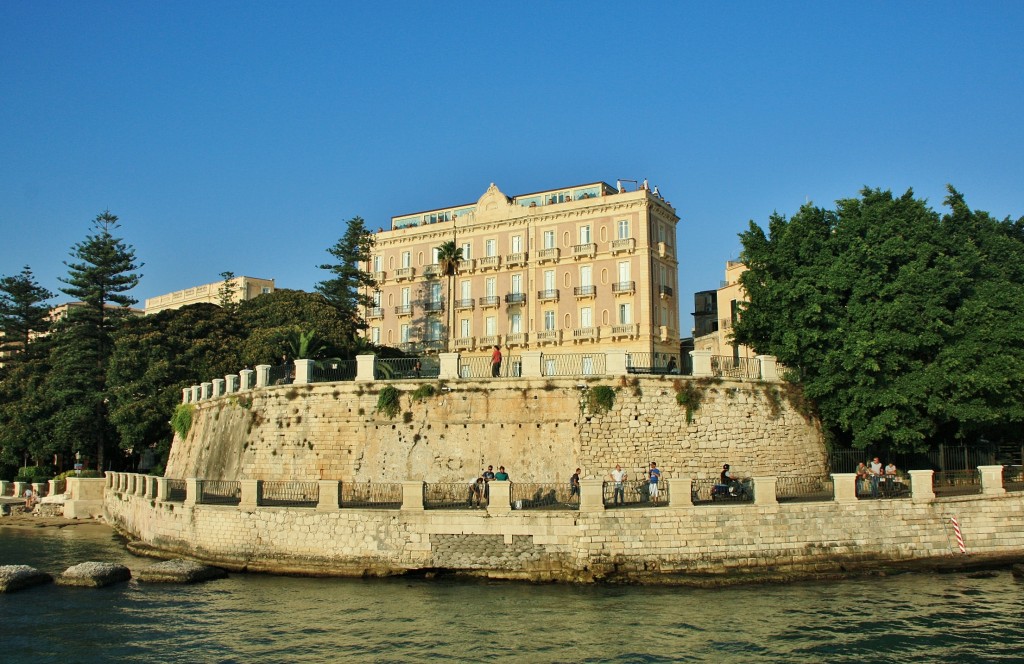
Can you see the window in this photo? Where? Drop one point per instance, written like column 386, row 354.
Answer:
column 549, row 321
column 406, row 259
column 405, row 334
column 405, row 297
column 625, row 313
column 517, row 283
column 376, row 263
column 490, row 326
column 435, row 292
column 490, row 248
column 464, row 328
column 375, row 335
column 517, row 244
column 467, row 250
column 623, row 272
column 549, row 280
column 376, row 298
column 514, row 323
column 491, row 286
column 585, row 234
column 265, row 290
column 585, row 278
column 433, row 329
column 549, row 239
column 435, row 254
column 466, row 289
column 586, row 317
column 623, row 229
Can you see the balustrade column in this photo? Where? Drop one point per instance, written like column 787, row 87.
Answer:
column 991, row 480
column 682, row 489
column 499, row 500
column 615, row 363
column 262, row 375
column 141, row 485
column 303, row 372
column 330, row 496
column 231, row 383
column 162, row 489
column 365, row 368
column 186, row 394
column 921, row 490
column 19, row 489
column 412, row 496
column 845, row 487
column 4, row 486
column 110, row 479
column 197, row 393
column 701, row 363
column 206, row 390
column 591, row 495
column 449, row 366
column 250, row 493
column 764, row 491
column 531, row 363
column 218, row 387
column 769, row 368
column 191, row 490
column 245, row 377
column 37, row 489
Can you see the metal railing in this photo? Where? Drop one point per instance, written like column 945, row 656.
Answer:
column 368, row 494
column 653, row 363
column 883, row 486
column 572, row 364
column 665, row 291
column 726, row 366
column 956, row 483
column 281, row 374
column 400, row 368
column 375, row 312
column 479, row 366
column 433, row 305
column 515, row 298
column 1013, row 478
column 550, row 294
column 634, row 493
column 219, row 492
column 945, row 457
column 550, row 254
column 453, row 495
column 490, row 301
column 624, row 287
column 544, row 496
column 403, row 310
column 464, row 304
column 708, row 491
column 329, row 372
column 584, row 291
column 176, row 491
column 289, row 494
column 807, row 488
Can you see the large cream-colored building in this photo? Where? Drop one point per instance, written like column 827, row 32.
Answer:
column 716, row 311
column 243, row 288
column 571, row 269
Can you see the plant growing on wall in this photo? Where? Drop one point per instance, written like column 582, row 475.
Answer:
column 388, row 402
column 688, row 395
column 600, row 399
column 423, row 392
column 181, row 420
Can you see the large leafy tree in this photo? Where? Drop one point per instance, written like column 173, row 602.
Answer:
column 24, row 314
column 351, row 285
column 882, row 308
column 100, row 274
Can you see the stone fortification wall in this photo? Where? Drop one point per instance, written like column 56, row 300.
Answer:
column 655, row 543
column 540, row 430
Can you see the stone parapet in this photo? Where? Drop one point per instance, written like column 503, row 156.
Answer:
column 921, row 486
column 991, row 480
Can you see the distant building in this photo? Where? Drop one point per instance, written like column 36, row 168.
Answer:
column 60, row 312
column 715, row 312
column 570, row 270
column 243, row 288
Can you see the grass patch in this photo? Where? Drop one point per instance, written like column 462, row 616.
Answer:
column 181, row 420
column 388, row 402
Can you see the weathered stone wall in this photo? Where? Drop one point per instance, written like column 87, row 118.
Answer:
column 539, row 430
column 631, row 544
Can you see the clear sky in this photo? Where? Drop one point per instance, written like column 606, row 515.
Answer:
column 241, row 135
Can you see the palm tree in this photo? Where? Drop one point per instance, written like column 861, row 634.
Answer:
column 448, row 258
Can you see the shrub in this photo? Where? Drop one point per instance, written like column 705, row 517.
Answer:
column 600, row 399
column 387, row 402
column 688, row 395
column 33, row 474
column 424, row 391
column 181, row 420
column 82, row 473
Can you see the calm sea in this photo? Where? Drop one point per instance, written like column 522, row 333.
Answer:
column 250, row 618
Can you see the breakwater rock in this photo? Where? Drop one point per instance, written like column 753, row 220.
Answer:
column 18, row 577
column 179, row 570
column 94, row 575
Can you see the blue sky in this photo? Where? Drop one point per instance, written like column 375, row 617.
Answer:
column 241, row 135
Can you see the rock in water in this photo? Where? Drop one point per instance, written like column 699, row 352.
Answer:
column 18, row 577
column 179, row 571
column 94, row 575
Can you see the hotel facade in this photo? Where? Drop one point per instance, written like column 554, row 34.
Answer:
column 575, row 269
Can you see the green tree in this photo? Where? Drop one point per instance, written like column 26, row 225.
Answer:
column 24, row 314
column 351, row 286
column 101, row 273
column 879, row 307
column 449, row 255
column 227, row 290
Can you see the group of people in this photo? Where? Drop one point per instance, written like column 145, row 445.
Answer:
column 479, row 488
column 870, row 476
column 619, row 476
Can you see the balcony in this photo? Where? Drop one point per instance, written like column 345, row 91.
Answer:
column 380, row 276
column 664, row 250
column 584, row 291
column 584, row 250
column 625, row 244
column 432, row 271
column 545, row 255
column 515, row 259
column 374, row 312
column 405, row 273
column 515, row 298
column 548, row 337
column 624, row 287
column 490, row 301
column 466, row 343
column 492, row 340
column 515, row 339
column 403, row 310
column 489, row 262
column 584, row 334
column 433, row 305
column 467, row 265
column 464, row 304
column 628, row 331
column 665, row 292
column 547, row 295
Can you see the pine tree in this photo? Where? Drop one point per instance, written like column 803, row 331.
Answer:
column 24, row 314
column 350, row 288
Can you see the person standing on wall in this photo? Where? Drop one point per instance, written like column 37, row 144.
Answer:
column 619, row 476
column 496, row 362
column 501, row 475
column 574, row 485
column 653, row 476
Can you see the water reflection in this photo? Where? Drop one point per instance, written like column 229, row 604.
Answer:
column 261, row 618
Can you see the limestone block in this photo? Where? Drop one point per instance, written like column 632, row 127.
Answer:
column 18, row 577
column 179, row 571
column 94, row 575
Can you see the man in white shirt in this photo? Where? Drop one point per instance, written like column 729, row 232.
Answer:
column 619, row 476
column 875, row 471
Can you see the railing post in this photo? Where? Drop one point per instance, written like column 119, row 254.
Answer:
column 19, row 489
column 921, row 490
column 262, row 375
column 449, row 366
column 129, row 488
column 191, row 490
column 591, row 495
column 684, row 487
column 245, row 377
column 4, row 485
column 412, row 496
column 991, row 480
column 186, row 394
column 845, row 487
column 769, row 368
column 218, row 387
column 330, row 494
column 531, row 360
column 250, row 493
column 231, row 383
column 764, row 491
column 162, row 486
column 197, row 393
column 701, row 363
column 500, row 497
column 303, row 371
column 37, row 489
column 615, row 363
column 206, row 390
column 51, row 489
column 364, row 368
column 141, row 484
